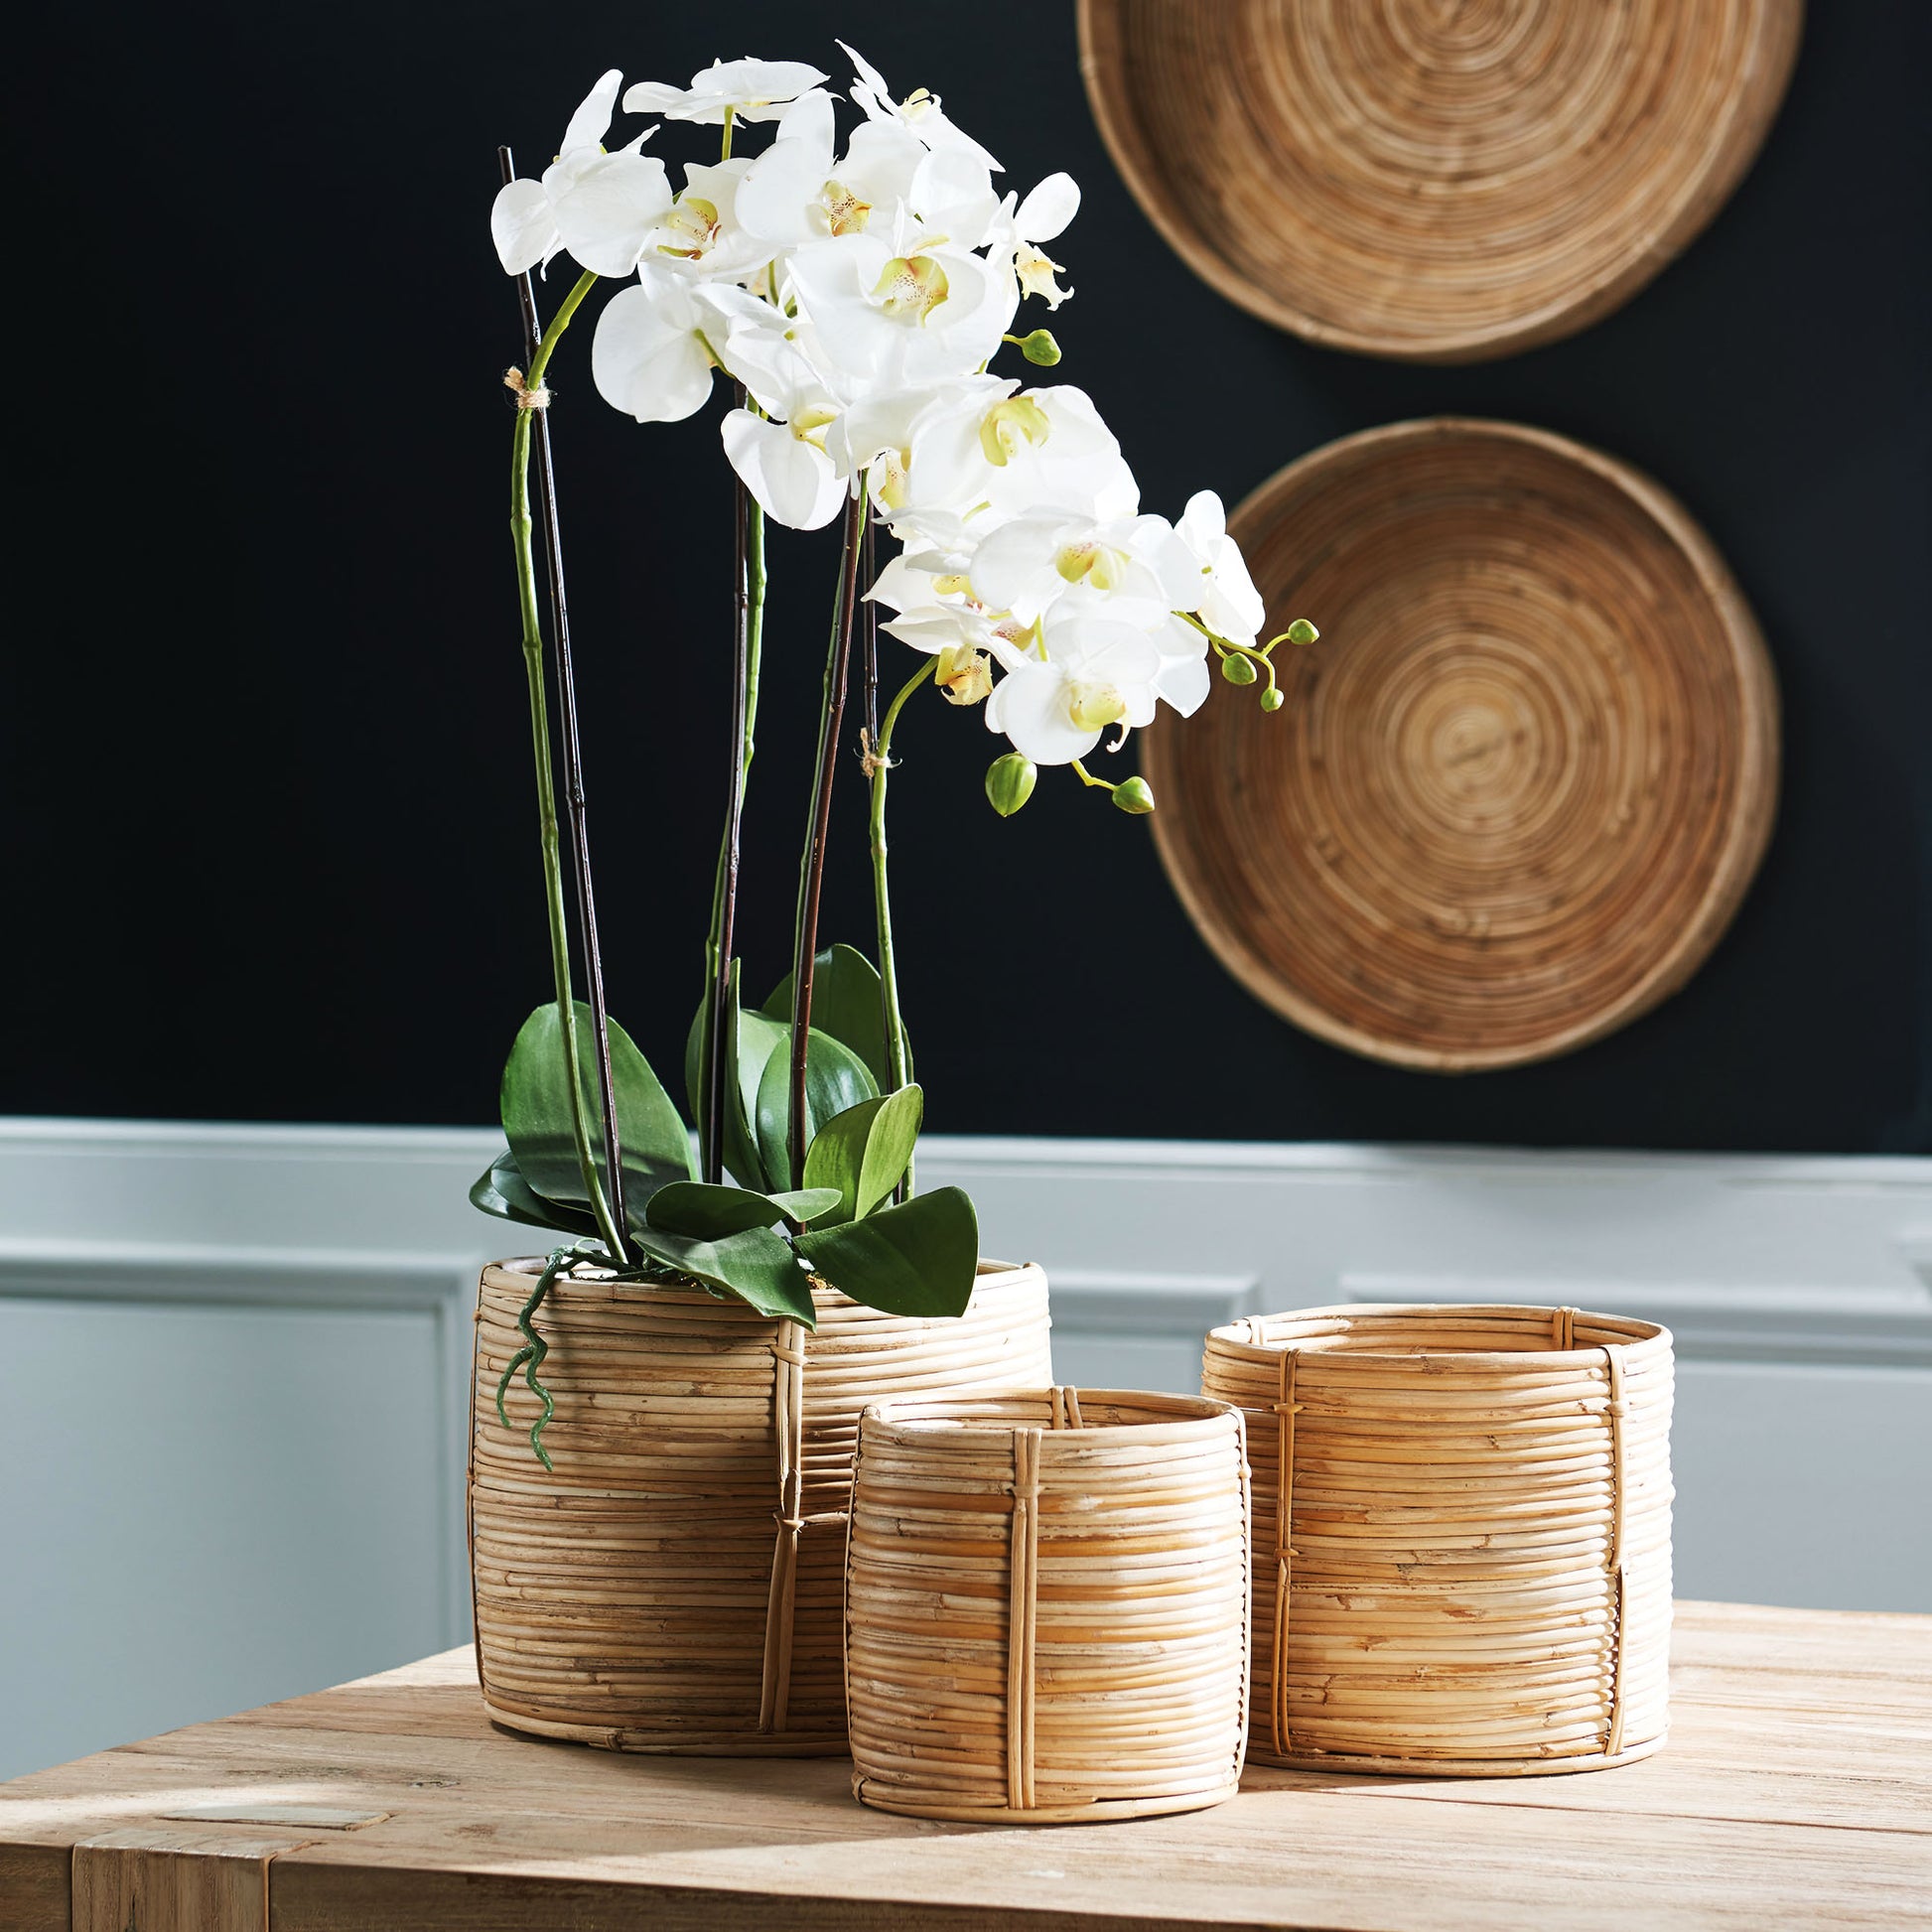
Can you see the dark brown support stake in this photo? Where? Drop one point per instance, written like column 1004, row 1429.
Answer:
column 812, row 873
column 716, row 1071
column 868, row 642
column 574, row 800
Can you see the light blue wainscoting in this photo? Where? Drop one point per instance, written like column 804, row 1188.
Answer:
column 235, row 1364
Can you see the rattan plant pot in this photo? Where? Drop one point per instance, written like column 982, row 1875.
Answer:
column 1047, row 1606
column 674, row 1585
column 1461, row 1536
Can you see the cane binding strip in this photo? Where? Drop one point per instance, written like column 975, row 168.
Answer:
column 1286, row 1409
column 1614, row 1412
column 1021, row 1604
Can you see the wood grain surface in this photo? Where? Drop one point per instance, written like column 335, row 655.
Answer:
column 1518, row 789
column 1427, row 181
column 1796, row 1792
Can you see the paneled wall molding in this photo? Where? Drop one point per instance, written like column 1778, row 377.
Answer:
column 1759, row 1257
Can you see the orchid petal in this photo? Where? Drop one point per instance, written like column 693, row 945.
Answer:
column 523, row 226
column 1046, row 212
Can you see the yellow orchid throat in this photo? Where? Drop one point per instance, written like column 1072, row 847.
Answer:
column 1099, row 565
column 842, row 211
column 1009, row 425
column 1092, row 705
column 693, row 222
column 912, row 287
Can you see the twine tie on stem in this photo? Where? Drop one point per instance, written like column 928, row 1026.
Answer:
column 526, row 396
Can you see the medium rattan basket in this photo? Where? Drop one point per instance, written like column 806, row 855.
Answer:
column 1047, row 1606
column 1461, row 1536
column 674, row 1585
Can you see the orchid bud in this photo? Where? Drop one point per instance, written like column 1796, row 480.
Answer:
column 1039, row 348
column 1134, row 795
column 1302, row 631
column 1010, row 783
column 1270, row 699
column 1237, row 669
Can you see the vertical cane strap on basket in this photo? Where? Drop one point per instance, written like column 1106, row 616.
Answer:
column 1286, row 1410
column 1066, row 1406
column 1613, row 1412
column 1563, row 1328
column 1021, row 1601
column 789, row 1433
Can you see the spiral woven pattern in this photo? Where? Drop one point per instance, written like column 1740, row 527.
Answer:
column 1047, row 1606
column 1462, row 1535
column 1435, row 179
column 1517, row 790
column 630, row 1599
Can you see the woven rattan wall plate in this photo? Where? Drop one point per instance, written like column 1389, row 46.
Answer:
column 1434, row 180
column 1519, row 787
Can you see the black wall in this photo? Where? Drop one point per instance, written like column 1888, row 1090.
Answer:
column 269, row 842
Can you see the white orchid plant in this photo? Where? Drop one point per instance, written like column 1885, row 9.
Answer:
column 855, row 299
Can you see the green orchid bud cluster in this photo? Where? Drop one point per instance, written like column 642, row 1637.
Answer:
column 1244, row 663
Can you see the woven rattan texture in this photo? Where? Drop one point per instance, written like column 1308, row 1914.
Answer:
column 1462, row 1535
column 1437, row 182
column 1518, row 789
column 674, row 1585
column 1047, row 1607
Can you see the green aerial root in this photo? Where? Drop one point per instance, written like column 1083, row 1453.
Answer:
column 530, row 1357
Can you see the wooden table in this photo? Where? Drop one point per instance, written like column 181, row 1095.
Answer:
column 1796, row 1791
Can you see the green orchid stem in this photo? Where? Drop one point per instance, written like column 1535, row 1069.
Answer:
column 530, row 1356
column 879, row 759
column 811, row 871
column 748, row 595
column 1086, row 778
column 553, row 881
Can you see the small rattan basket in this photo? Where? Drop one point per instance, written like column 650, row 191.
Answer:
column 673, row 1584
column 1461, row 1536
column 1047, row 1606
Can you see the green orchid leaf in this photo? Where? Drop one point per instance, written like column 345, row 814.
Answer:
column 863, row 1151
column 754, row 1265
column 694, row 1208
column 537, row 1114
column 848, row 1003
column 835, row 1078
column 505, row 1192
column 919, row 1259
column 808, row 1203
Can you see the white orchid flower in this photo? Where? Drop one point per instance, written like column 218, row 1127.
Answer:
column 889, row 318
column 600, row 206
column 1033, row 562
column 992, row 456
column 1091, row 672
column 935, row 614
column 782, row 456
column 1223, row 596
column 920, row 111
column 746, row 91
column 799, row 191
column 657, row 342
column 703, row 234
column 1019, row 230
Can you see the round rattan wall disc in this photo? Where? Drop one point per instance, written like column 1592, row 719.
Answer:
column 1435, row 179
column 1519, row 787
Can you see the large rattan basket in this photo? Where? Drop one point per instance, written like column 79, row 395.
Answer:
column 1047, row 1606
column 674, row 1585
column 1461, row 1536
